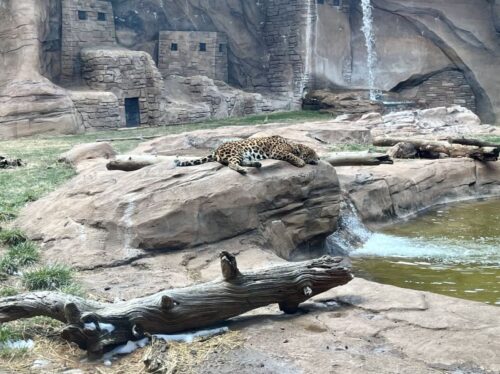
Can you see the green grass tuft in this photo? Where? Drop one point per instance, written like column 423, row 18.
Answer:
column 8, row 291
column 7, row 333
column 12, row 237
column 26, row 253
column 49, row 277
column 18, row 256
column 8, row 265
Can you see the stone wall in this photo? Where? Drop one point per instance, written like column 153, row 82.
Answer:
column 197, row 98
column 190, row 53
column 98, row 110
column 128, row 74
column 85, row 23
column 447, row 88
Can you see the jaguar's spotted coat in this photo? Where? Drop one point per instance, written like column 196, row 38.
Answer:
column 249, row 152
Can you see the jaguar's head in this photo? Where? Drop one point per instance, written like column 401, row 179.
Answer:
column 307, row 154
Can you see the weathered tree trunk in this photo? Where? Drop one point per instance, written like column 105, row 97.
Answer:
column 129, row 138
column 180, row 309
column 134, row 162
column 357, row 158
column 472, row 142
column 436, row 149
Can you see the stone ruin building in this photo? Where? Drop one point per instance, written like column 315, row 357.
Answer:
column 93, row 65
column 190, row 53
column 116, row 87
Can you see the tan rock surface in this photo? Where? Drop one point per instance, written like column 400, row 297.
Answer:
column 106, row 217
column 87, row 151
column 386, row 193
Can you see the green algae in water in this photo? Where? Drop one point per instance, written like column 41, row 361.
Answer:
column 452, row 250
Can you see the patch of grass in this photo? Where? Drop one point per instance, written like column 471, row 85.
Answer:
column 19, row 256
column 8, row 291
column 49, row 277
column 8, row 333
column 12, row 237
column 73, row 289
column 25, row 254
column 11, row 353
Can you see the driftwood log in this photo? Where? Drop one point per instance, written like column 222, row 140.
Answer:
column 422, row 148
column 472, row 142
column 182, row 309
column 128, row 138
column 357, row 158
column 136, row 162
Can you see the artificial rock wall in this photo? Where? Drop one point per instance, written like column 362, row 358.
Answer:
column 85, row 23
column 98, row 110
column 127, row 74
column 193, row 53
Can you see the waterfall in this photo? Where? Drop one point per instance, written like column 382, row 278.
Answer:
column 371, row 56
column 351, row 232
column 310, row 16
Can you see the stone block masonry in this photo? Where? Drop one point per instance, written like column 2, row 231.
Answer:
column 85, row 23
column 447, row 88
column 129, row 75
column 285, row 36
column 98, row 110
column 190, row 53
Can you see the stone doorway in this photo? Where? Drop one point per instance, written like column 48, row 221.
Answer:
column 132, row 112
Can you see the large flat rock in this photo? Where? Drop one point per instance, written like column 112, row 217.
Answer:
column 102, row 217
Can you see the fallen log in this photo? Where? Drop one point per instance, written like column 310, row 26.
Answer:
column 357, row 158
column 435, row 149
column 472, row 142
column 97, row 327
column 129, row 138
column 134, row 162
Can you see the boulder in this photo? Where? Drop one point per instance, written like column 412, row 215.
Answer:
column 452, row 121
column 319, row 135
column 386, row 193
column 103, row 217
column 87, row 151
column 352, row 102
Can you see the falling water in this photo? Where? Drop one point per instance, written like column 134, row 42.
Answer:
column 367, row 29
column 310, row 16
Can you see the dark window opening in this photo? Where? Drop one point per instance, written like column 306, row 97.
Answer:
column 174, row 47
column 336, row 2
column 320, row 1
column 203, row 47
column 221, row 48
column 101, row 16
column 132, row 112
column 82, row 15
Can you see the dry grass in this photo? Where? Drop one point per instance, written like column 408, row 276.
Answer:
column 180, row 357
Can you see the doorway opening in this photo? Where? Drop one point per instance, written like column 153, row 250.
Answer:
column 132, row 112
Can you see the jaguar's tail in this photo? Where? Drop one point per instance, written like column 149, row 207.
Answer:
column 199, row 161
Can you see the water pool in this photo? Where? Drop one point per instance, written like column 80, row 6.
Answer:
column 452, row 250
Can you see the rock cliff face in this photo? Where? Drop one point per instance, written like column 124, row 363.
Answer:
column 31, row 103
column 242, row 20
column 439, row 51
column 270, row 48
